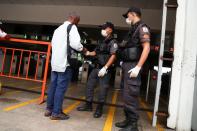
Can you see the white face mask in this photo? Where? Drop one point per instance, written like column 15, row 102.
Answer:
column 104, row 33
column 128, row 21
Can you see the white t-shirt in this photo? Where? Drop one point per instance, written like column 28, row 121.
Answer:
column 59, row 46
column 2, row 34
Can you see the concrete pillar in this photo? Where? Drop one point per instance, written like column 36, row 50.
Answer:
column 194, row 115
column 184, row 66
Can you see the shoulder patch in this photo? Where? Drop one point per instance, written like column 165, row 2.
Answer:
column 145, row 29
column 115, row 45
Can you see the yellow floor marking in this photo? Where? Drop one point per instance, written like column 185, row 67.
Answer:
column 21, row 104
column 150, row 114
column 74, row 105
column 71, row 107
column 110, row 115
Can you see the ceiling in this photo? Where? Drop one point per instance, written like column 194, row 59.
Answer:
column 144, row 4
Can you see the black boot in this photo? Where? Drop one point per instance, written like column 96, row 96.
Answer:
column 86, row 107
column 132, row 126
column 124, row 123
column 99, row 111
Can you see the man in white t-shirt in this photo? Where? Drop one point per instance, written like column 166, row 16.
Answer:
column 61, row 72
column 3, row 35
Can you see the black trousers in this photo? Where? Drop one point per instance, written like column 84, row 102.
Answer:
column 131, row 91
column 93, row 79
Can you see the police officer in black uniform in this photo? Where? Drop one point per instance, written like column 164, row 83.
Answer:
column 134, row 50
column 105, row 54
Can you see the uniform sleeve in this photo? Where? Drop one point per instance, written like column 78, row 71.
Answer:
column 144, row 34
column 114, row 47
column 75, row 39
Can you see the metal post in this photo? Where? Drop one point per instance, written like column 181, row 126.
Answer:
column 45, row 74
column 148, row 85
column 157, row 95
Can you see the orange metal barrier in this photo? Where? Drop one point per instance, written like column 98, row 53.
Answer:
column 29, row 52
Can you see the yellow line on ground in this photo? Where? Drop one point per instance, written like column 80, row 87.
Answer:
column 150, row 114
column 20, row 104
column 110, row 115
column 72, row 106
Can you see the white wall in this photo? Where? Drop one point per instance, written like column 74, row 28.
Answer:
column 90, row 15
column 194, row 115
column 184, row 67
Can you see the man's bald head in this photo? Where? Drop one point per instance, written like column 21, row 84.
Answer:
column 74, row 18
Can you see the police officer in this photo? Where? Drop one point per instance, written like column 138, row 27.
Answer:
column 134, row 50
column 105, row 53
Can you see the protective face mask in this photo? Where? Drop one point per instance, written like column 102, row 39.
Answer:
column 104, row 33
column 128, row 21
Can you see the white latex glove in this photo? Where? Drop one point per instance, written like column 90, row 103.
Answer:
column 134, row 72
column 121, row 63
column 102, row 72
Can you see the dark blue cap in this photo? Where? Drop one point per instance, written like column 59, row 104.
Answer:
column 133, row 9
column 107, row 24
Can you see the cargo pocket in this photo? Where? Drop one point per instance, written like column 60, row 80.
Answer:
column 134, row 86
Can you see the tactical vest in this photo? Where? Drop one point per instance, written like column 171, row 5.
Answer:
column 103, row 51
column 130, row 48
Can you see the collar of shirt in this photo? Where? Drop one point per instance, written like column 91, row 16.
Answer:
column 137, row 23
column 134, row 27
column 67, row 22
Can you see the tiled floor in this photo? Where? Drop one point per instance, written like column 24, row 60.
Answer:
column 19, row 111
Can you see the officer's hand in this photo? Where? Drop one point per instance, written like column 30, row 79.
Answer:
column 102, row 72
column 134, row 72
column 87, row 53
column 123, row 43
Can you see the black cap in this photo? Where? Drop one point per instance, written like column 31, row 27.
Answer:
column 133, row 9
column 107, row 24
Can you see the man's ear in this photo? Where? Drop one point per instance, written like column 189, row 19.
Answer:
column 110, row 30
column 134, row 14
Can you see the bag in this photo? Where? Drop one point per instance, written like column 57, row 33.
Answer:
column 70, row 51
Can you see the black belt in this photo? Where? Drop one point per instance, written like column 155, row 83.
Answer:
column 99, row 66
column 130, row 60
